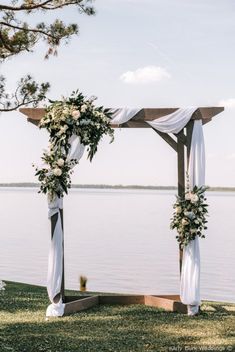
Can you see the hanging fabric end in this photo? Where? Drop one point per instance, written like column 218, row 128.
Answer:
column 55, row 309
column 193, row 310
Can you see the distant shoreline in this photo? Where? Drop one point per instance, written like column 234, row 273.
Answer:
column 90, row 186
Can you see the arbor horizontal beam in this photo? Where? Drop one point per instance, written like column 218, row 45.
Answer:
column 34, row 115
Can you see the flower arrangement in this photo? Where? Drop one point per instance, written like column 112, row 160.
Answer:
column 78, row 116
column 190, row 213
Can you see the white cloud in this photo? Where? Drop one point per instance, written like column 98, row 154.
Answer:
column 228, row 103
column 144, row 75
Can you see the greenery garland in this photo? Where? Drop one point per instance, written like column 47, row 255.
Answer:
column 189, row 217
column 78, row 116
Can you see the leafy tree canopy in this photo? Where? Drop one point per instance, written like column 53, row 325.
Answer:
column 17, row 35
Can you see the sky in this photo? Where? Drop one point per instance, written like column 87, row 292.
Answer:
column 136, row 53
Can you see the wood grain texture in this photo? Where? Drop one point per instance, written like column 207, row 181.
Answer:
column 80, row 305
column 167, row 302
column 122, row 299
column 34, row 115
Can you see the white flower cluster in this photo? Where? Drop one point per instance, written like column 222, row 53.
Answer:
column 192, row 197
column 73, row 116
column 189, row 216
column 2, row 285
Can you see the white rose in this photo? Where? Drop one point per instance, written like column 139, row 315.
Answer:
column 2, row 285
column 57, row 171
column 63, row 129
column 76, row 114
column 60, row 162
column 188, row 196
column 178, row 210
column 194, row 198
column 184, row 222
column 98, row 114
column 193, row 230
column 83, row 108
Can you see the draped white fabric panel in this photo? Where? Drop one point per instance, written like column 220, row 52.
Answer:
column 175, row 122
column 190, row 275
column 197, row 156
column 123, row 115
column 55, row 262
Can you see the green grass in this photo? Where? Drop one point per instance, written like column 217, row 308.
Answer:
column 23, row 327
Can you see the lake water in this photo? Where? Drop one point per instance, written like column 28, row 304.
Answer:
column 119, row 239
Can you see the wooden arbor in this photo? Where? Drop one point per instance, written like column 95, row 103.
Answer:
column 181, row 143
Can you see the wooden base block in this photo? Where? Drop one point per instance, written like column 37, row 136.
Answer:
column 172, row 303
column 79, row 304
column 121, row 299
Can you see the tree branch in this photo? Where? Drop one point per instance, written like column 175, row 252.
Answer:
column 25, row 29
column 17, row 106
column 41, row 5
column 23, row 7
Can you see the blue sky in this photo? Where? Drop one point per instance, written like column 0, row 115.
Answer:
column 138, row 53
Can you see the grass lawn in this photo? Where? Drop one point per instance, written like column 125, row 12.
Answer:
column 109, row 328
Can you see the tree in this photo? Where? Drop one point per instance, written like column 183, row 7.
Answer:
column 18, row 36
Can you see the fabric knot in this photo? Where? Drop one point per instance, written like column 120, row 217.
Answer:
column 54, row 206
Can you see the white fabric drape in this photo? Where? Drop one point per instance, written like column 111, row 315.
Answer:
column 174, row 122
column 197, row 156
column 123, row 115
column 190, row 274
column 55, row 261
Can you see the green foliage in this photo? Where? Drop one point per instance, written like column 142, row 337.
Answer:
column 75, row 116
column 19, row 33
column 27, row 92
column 190, row 213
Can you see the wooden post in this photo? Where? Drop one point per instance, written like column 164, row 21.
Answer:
column 63, row 276
column 181, row 178
column 181, row 166
column 54, row 219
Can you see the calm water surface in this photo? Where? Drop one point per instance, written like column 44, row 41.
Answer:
column 119, row 239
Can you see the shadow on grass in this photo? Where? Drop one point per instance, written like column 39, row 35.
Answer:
column 23, row 297
column 97, row 330
column 222, row 309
